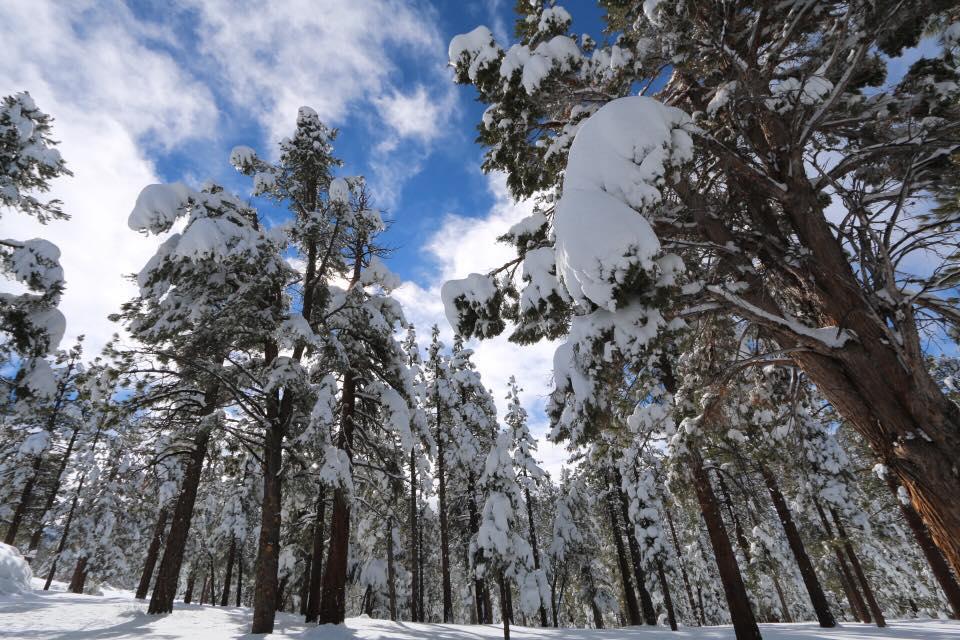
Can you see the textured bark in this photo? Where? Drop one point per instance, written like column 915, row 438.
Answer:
column 415, row 614
column 231, row 556
column 810, row 580
column 266, row 588
column 646, row 602
column 152, row 552
column 168, row 575
column 316, row 565
column 334, row 592
column 938, row 565
column 629, row 597
column 859, row 573
column 738, row 603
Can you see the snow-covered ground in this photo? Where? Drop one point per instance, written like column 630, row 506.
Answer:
column 116, row 615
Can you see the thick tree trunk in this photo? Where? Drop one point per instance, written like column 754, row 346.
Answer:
column 391, row 572
column 316, row 565
column 858, row 572
column 533, row 545
column 231, row 556
column 444, row 528
column 203, row 589
column 152, row 552
column 333, row 598
column 810, row 580
column 79, row 578
column 629, row 596
column 265, row 589
column 646, row 602
column 683, row 567
column 938, row 565
column 738, row 602
column 415, row 614
column 168, row 575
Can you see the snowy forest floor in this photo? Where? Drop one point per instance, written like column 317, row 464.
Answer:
column 115, row 615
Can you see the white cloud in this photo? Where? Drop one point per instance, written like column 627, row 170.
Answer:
column 417, row 114
column 462, row 245
column 107, row 92
column 277, row 57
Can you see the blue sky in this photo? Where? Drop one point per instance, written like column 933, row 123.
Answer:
column 154, row 91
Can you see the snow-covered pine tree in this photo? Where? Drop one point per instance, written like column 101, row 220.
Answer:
column 507, row 556
column 30, row 323
column 530, row 476
column 773, row 112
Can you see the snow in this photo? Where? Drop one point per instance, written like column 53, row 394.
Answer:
column 15, row 575
column 339, row 191
column 478, row 46
column 617, row 164
column 535, row 65
column 158, row 207
column 116, row 615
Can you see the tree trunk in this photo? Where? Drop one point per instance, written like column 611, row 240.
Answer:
column 857, row 605
column 79, row 578
column 597, row 616
column 52, row 496
column 938, row 565
column 391, row 572
column 646, row 602
column 168, row 575
column 64, row 535
column 305, row 581
column 316, row 566
column 281, row 601
column 265, row 589
column 536, row 551
column 810, row 580
column 415, row 614
column 738, row 603
column 444, row 530
column 203, row 589
column 482, row 598
column 504, row 606
column 333, row 595
column 683, row 567
column 734, row 519
column 629, row 597
column 667, row 599
column 152, row 552
column 858, row 572
column 231, row 555
column 240, row 580
column 420, row 561
column 191, row 583
column 784, row 607
column 25, row 497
